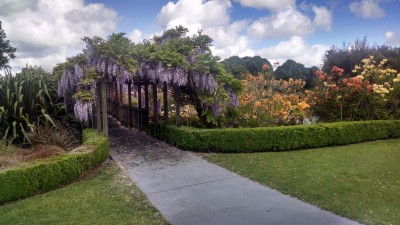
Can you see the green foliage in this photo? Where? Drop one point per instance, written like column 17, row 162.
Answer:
column 280, row 138
column 27, row 99
column 42, row 177
column 240, row 66
column 291, row 69
column 84, row 95
column 119, row 49
column 226, row 79
column 7, row 52
column 173, row 33
column 170, row 57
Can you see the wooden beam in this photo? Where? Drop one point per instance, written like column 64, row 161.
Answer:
column 104, row 106
column 165, row 94
column 155, row 104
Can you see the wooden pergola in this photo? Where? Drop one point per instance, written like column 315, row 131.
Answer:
column 110, row 101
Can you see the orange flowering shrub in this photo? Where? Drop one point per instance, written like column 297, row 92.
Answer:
column 266, row 101
column 372, row 94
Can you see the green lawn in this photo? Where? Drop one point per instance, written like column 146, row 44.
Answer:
column 359, row 181
column 108, row 197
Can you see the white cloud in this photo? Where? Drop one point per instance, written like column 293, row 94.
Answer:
column 228, row 41
column 44, row 31
column 392, row 38
column 136, row 36
column 213, row 18
column 284, row 23
column 267, row 4
column 297, row 49
column 323, row 17
column 289, row 22
column 368, row 9
column 230, row 38
column 8, row 7
column 195, row 13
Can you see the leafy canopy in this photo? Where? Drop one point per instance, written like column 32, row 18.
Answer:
column 7, row 52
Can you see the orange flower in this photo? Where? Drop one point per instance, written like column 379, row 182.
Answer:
column 303, row 105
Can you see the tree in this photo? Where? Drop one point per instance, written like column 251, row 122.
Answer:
column 238, row 67
column 7, row 52
column 291, row 69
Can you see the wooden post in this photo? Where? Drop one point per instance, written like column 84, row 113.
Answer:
column 155, row 105
column 104, row 106
column 165, row 94
column 130, row 103
column 146, row 105
column 121, row 102
column 177, row 105
column 116, row 112
column 140, row 106
column 98, row 107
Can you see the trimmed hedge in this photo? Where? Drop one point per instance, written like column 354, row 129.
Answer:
column 277, row 138
column 42, row 177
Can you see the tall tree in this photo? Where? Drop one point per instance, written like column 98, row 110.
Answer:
column 7, row 52
column 291, row 69
column 247, row 65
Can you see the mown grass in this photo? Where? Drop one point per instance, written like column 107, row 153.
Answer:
column 108, row 197
column 359, row 181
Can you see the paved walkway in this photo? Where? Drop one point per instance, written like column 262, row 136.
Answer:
column 189, row 190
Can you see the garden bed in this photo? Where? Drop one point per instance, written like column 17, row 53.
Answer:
column 277, row 138
column 45, row 175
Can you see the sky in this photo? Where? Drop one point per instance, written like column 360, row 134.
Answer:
column 45, row 32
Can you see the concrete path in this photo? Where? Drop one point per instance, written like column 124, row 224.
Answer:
column 189, row 190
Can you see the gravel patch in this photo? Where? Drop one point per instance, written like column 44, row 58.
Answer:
column 132, row 148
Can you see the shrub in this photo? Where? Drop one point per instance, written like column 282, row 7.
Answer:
column 41, row 177
column 373, row 94
column 267, row 102
column 48, row 135
column 279, row 138
column 27, row 98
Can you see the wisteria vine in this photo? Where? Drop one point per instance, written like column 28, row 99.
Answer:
column 190, row 67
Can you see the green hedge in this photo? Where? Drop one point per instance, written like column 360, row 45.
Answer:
column 41, row 177
column 277, row 138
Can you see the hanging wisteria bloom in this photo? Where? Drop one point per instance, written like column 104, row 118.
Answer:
column 233, row 98
column 83, row 110
column 69, row 80
column 205, row 82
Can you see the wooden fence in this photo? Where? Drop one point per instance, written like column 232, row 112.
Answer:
column 132, row 117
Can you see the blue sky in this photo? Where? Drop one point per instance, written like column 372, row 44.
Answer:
column 47, row 31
